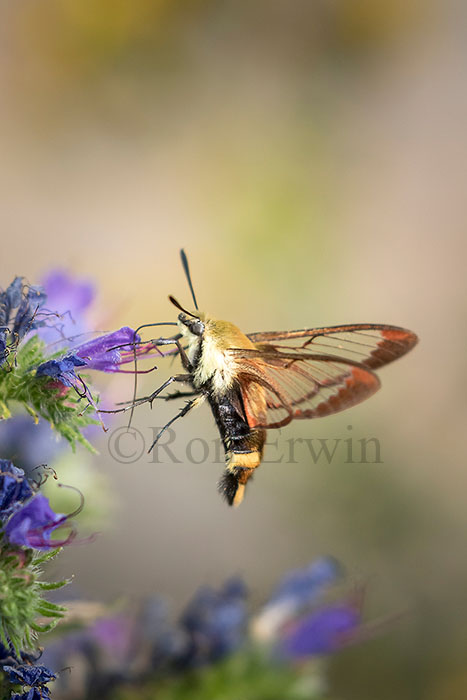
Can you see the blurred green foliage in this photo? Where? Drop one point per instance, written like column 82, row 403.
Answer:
column 245, row 676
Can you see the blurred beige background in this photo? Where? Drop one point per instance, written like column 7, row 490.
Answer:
column 310, row 156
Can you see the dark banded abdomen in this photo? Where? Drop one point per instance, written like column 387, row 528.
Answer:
column 243, row 445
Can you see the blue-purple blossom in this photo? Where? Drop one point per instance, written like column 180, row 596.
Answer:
column 35, row 677
column 105, row 353
column 62, row 370
column 297, row 590
column 9, row 299
column 27, row 301
column 303, row 586
column 26, row 316
column 33, row 524
column 14, row 488
column 321, row 632
column 69, row 298
column 213, row 625
column 215, row 622
column 30, row 675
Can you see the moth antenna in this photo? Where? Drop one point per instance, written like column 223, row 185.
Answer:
column 180, row 307
column 188, row 276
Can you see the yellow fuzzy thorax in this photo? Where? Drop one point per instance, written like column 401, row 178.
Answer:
column 215, row 363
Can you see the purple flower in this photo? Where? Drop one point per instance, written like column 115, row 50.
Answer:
column 70, row 299
column 322, row 632
column 30, row 675
column 14, row 488
column 32, row 525
column 26, row 316
column 10, row 299
column 297, row 590
column 13, row 326
column 62, row 370
column 215, row 622
column 105, row 353
column 302, row 586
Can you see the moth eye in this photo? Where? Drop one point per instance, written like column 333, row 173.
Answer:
column 197, row 328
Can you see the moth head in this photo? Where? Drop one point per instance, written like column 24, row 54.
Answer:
column 187, row 320
column 194, row 324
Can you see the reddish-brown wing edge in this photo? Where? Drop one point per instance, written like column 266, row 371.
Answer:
column 394, row 342
column 360, row 384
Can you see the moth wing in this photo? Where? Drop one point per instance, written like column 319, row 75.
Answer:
column 369, row 344
column 279, row 386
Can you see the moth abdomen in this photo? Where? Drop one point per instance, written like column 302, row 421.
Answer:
column 232, row 483
column 227, row 487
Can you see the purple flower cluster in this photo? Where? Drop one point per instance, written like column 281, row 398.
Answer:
column 26, row 521
column 296, row 621
column 61, row 324
column 68, row 300
column 26, row 518
column 34, row 677
column 32, row 525
column 105, row 353
column 19, row 306
column 214, row 625
column 14, row 488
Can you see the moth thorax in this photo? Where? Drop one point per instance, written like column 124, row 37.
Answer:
column 215, row 365
column 191, row 340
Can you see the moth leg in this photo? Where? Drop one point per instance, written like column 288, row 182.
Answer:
column 151, row 397
column 160, row 341
column 188, row 406
column 170, row 380
column 184, row 357
column 178, row 395
column 169, row 397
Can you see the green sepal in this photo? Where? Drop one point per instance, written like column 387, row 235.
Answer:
column 54, row 585
column 47, row 556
